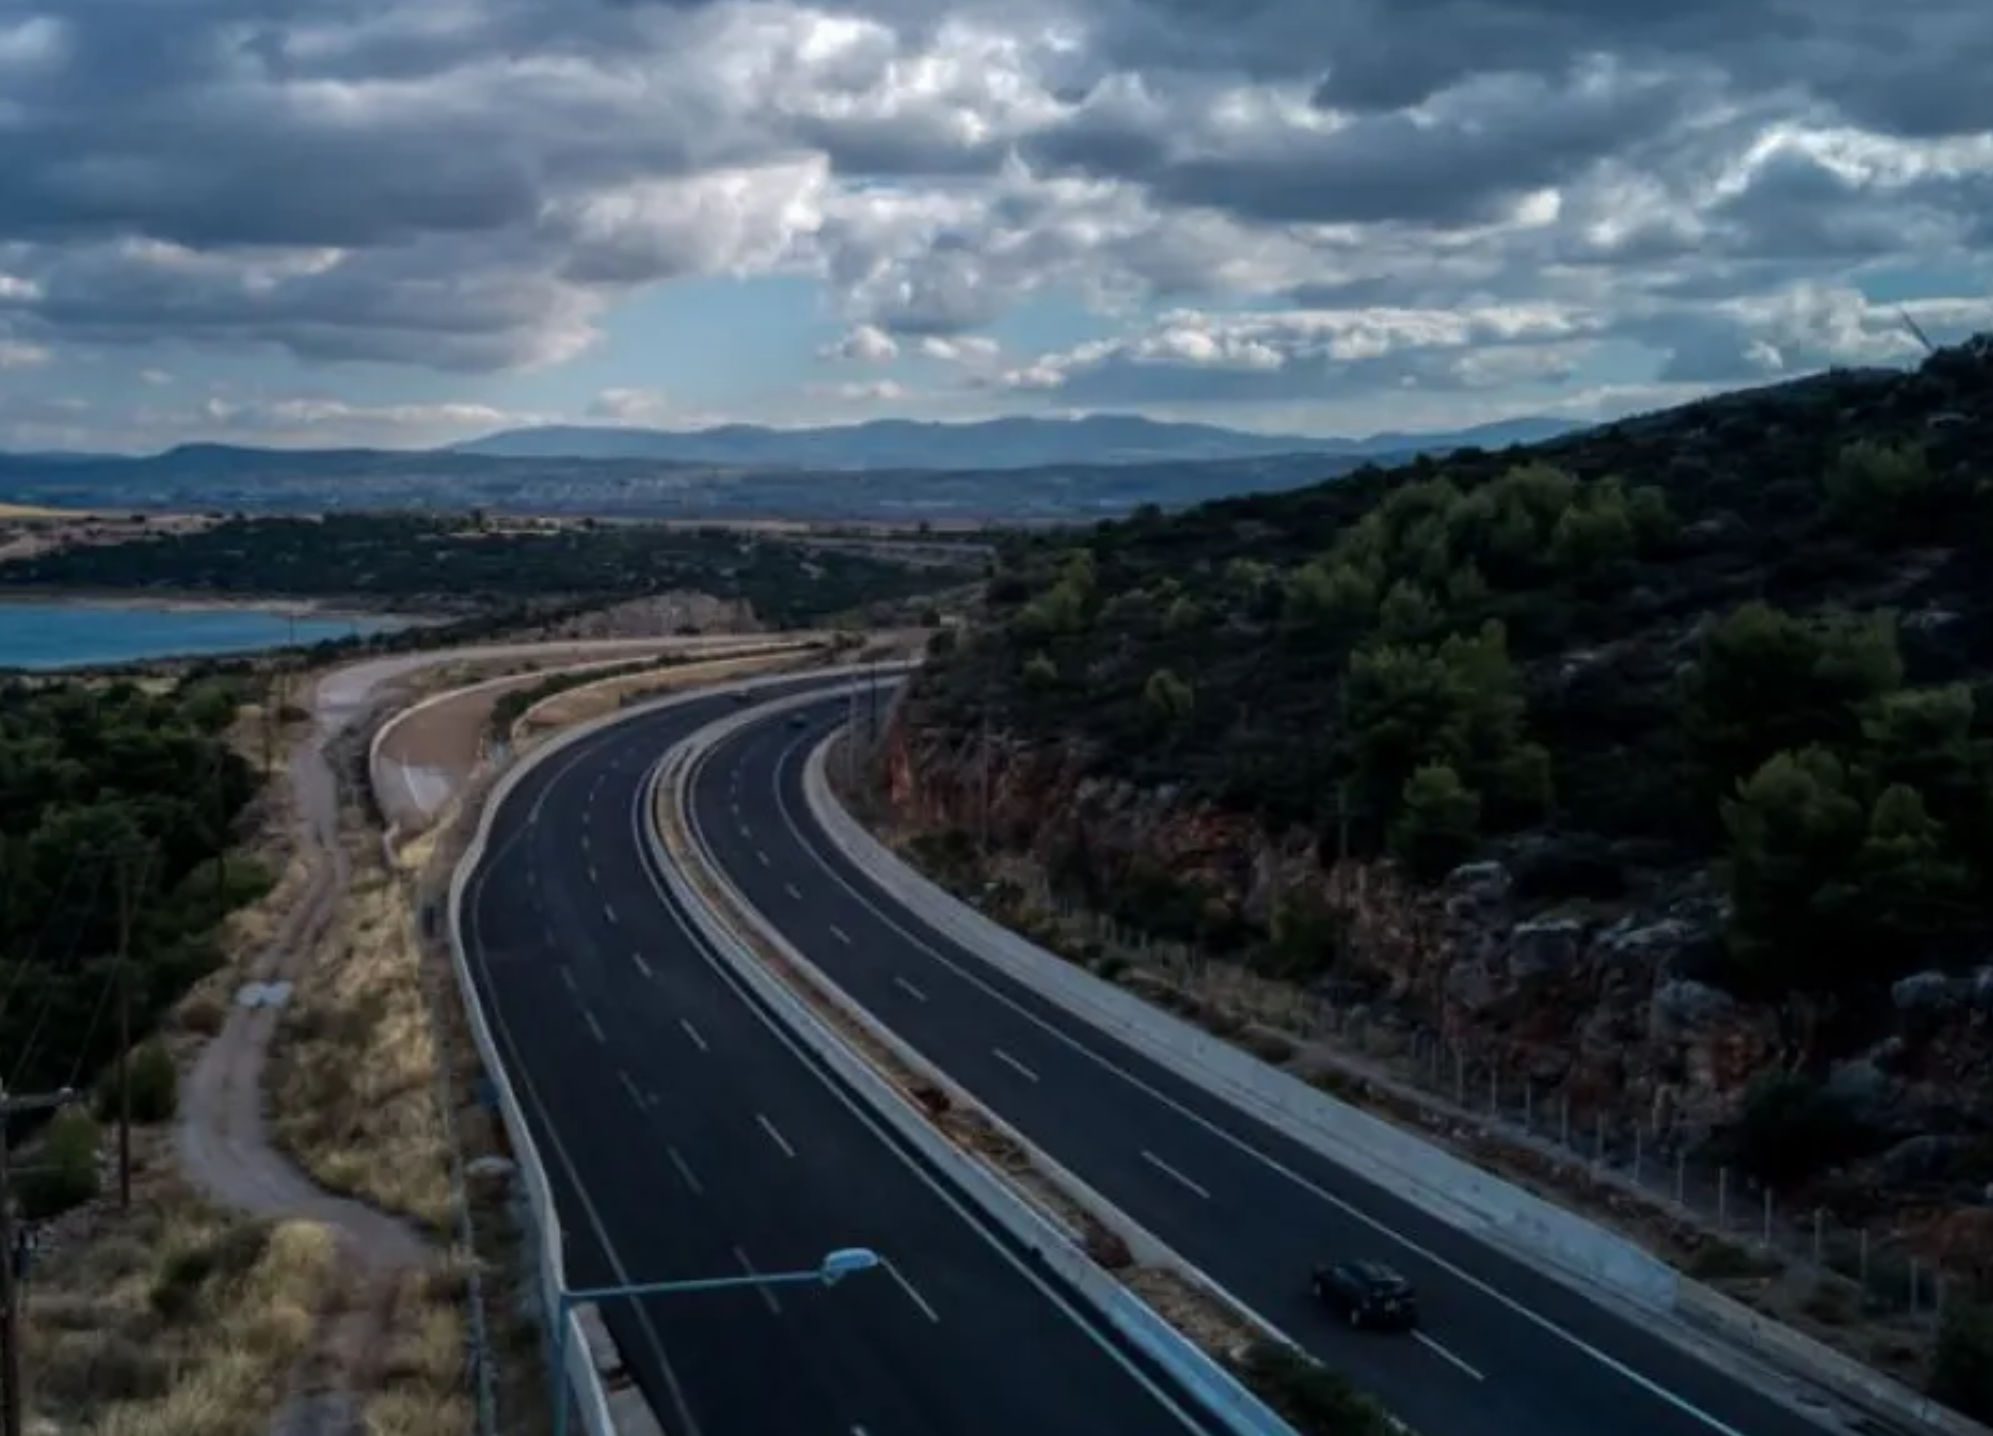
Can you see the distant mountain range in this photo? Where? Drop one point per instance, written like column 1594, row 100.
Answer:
column 1012, row 443
column 1002, row 471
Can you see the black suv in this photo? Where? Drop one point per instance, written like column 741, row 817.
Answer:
column 1367, row 1293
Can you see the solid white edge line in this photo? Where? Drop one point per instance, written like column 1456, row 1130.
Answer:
column 873, row 1123
column 1445, row 1355
column 1167, row 1170
column 1458, row 1273
column 467, row 916
column 1013, row 1064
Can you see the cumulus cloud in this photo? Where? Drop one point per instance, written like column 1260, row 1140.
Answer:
column 966, row 349
column 866, row 344
column 631, row 406
column 869, row 391
column 16, row 355
column 1346, row 196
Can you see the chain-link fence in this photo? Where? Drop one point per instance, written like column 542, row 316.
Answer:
column 1747, row 1229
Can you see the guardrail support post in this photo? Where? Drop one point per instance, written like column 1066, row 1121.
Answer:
column 561, row 1313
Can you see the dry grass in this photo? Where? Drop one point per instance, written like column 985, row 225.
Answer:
column 177, row 1318
column 354, row 1073
column 420, row 1391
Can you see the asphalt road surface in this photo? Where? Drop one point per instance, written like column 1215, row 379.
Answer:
column 685, row 1136
column 1503, row 1350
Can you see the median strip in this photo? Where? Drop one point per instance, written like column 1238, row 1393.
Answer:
column 1159, row 1302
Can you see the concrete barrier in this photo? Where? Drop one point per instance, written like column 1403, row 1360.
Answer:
column 583, row 1379
column 1209, row 1383
column 1416, row 1170
column 1546, row 1235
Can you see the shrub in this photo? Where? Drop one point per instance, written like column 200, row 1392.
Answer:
column 1167, row 698
column 1962, row 1371
column 1791, row 1129
column 1437, row 823
column 155, row 1086
column 65, row 1173
column 1315, row 1399
column 1040, row 672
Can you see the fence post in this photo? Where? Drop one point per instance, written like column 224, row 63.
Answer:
column 1768, row 1214
column 1528, row 1105
column 1723, row 1199
column 1565, row 1141
column 1863, row 1260
column 1819, row 1236
column 1636, row 1153
column 1598, row 1142
column 1681, row 1176
column 1495, row 1092
column 1459, row 1078
column 1913, row 1286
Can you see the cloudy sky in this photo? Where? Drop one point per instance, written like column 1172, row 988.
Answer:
column 407, row 221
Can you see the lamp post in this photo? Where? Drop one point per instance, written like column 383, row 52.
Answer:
column 834, row 1268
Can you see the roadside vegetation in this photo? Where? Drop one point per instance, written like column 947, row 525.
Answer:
column 423, row 561
column 110, row 786
column 1652, row 766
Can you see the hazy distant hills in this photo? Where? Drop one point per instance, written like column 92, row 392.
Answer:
column 1012, row 443
column 1003, row 471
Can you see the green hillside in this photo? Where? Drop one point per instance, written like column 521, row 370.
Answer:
column 1757, row 629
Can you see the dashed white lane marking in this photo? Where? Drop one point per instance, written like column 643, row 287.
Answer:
column 909, row 989
column 746, row 832
column 685, row 1171
column 630, row 1087
column 642, row 966
column 1444, row 1355
column 595, row 878
column 840, row 934
column 693, row 1033
column 609, row 912
column 584, row 843
column 1013, row 1064
column 567, row 977
column 774, row 1136
column 791, row 889
column 774, row 1306
column 594, row 1027
column 763, row 856
column 1166, row 1169
column 913, row 1293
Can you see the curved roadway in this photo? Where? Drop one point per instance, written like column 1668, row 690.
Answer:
column 1505, row 1350
column 686, row 1136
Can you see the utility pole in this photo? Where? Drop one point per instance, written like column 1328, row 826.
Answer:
column 128, row 890
column 11, row 1400
column 984, row 783
column 221, row 833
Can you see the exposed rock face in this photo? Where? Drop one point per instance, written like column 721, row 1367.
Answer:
column 1614, row 1002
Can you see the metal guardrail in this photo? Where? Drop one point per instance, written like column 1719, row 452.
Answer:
column 544, row 1227
column 1215, row 1389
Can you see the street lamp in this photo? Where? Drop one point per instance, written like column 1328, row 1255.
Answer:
column 834, row 1268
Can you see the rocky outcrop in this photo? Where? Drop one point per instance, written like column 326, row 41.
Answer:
column 1618, row 1004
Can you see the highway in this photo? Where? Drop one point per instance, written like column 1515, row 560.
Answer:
column 686, row 1136
column 1504, row 1351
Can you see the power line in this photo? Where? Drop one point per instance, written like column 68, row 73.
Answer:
column 48, row 921
column 54, row 986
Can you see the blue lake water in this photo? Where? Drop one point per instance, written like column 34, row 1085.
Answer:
column 68, row 635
